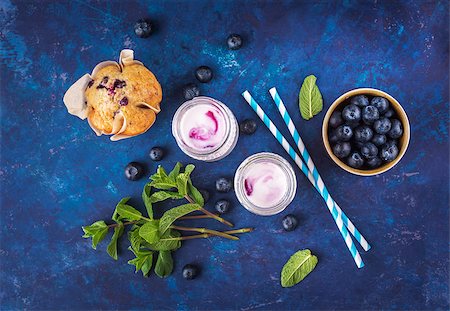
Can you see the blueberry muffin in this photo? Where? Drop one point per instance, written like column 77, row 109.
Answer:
column 123, row 99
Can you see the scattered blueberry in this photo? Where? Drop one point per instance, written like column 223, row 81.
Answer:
column 389, row 113
column 156, row 153
column 222, row 206
column 374, row 162
column 223, row 184
column 396, row 129
column 344, row 133
column 203, row 74
column 370, row 114
column 382, row 126
column 351, row 113
column 379, row 139
column 205, row 195
column 248, row 126
column 190, row 91
column 342, row 149
column 381, row 103
column 355, row 160
column 123, row 101
column 190, row 271
column 388, row 153
column 143, row 28
column 289, row 222
column 134, row 171
column 360, row 100
column 363, row 133
column 369, row 150
column 234, row 42
column 336, row 119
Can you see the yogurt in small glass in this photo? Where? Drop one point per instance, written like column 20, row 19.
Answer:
column 205, row 129
column 265, row 183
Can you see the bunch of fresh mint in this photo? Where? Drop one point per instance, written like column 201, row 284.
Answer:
column 150, row 237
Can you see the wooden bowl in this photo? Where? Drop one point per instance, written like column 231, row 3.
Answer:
column 403, row 142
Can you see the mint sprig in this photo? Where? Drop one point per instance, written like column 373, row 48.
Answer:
column 155, row 239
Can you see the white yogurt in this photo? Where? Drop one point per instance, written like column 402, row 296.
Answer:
column 265, row 184
column 203, row 127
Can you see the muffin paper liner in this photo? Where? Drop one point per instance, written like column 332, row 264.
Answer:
column 75, row 99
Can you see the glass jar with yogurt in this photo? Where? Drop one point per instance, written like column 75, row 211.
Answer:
column 205, row 129
column 265, row 183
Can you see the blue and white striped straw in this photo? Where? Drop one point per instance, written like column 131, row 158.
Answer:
column 313, row 169
column 277, row 134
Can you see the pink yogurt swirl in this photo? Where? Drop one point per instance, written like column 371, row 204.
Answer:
column 203, row 127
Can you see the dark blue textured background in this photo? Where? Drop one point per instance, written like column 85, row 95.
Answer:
column 56, row 175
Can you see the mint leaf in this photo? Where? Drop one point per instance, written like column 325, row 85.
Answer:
column 164, row 264
column 160, row 180
column 146, row 199
column 143, row 261
column 134, row 238
column 112, row 246
column 150, row 231
column 98, row 237
column 310, row 99
column 116, row 217
column 173, row 214
column 164, row 195
column 168, row 245
column 175, row 171
column 298, row 267
column 195, row 194
column 182, row 179
column 128, row 212
column 90, row 231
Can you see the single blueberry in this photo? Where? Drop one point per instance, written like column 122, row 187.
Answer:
column 382, row 126
column 190, row 91
column 342, row 149
column 370, row 114
column 360, row 100
column 332, row 137
column 143, row 28
column 389, row 113
column 205, row 195
column 123, row 101
column 234, row 42
column 336, row 119
column 392, row 142
column 118, row 84
column 190, row 271
column 344, row 133
column 369, row 150
column 363, row 133
column 223, row 184
column 248, row 126
column 379, row 139
column 374, row 162
column 351, row 113
column 355, row 160
column 396, row 129
column 203, row 74
column 134, row 171
column 289, row 222
column 222, row 206
column 156, row 153
column 381, row 103
column 388, row 153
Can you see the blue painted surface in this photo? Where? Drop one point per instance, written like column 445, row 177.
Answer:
column 56, row 175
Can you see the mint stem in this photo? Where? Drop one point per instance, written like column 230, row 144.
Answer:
column 125, row 224
column 204, row 230
column 209, row 213
column 207, row 235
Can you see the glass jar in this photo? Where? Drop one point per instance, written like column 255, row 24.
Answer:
column 265, row 183
column 205, row 129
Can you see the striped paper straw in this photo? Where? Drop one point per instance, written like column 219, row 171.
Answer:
column 313, row 169
column 277, row 134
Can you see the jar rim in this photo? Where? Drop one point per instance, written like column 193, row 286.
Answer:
column 240, row 188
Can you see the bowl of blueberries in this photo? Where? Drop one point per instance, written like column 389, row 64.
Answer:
column 366, row 131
